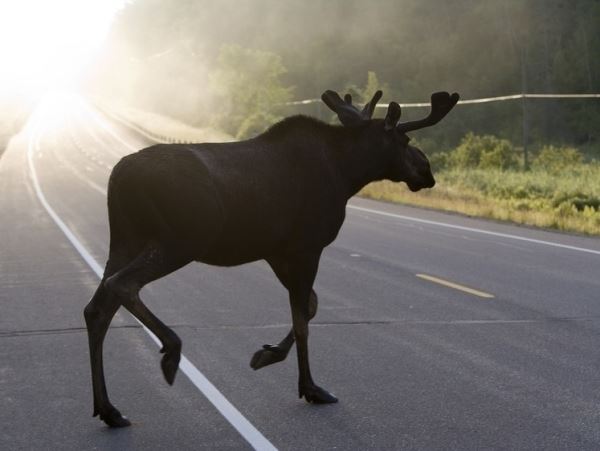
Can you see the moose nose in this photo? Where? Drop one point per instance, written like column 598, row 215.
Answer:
column 426, row 177
column 430, row 181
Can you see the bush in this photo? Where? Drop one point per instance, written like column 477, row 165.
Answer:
column 577, row 199
column 439, row 161
column 246, row 83
column 485, row 152
column 554, row 159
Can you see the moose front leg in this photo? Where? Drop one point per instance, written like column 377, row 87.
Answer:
column 306, row 386
column 298, row 277
column 297, row 273
column 270, row 354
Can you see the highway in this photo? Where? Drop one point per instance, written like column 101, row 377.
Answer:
column 435, row 331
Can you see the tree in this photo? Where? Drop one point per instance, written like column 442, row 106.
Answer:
column 479, row 49
column 248, row 91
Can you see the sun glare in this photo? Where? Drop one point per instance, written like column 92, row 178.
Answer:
column 46, row 43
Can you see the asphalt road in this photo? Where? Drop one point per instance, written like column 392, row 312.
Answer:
column 416, row 363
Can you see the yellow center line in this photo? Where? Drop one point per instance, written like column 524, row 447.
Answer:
column 456, row 286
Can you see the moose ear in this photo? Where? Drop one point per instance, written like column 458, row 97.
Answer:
column 393, row 116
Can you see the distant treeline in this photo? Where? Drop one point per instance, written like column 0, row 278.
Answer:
column 234, row 63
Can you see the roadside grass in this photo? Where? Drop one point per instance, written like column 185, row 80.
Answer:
column 568, row 200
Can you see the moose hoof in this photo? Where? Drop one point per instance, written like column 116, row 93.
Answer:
column 268, row 355
column 316, row 395
column 169, row 364
column 114, row 419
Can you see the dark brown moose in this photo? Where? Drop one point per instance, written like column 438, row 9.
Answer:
column 279, row 197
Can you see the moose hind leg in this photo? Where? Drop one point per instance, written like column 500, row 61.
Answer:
column 98, row 315
column 171, row 343
column 270, row 354
column 122, row 288
column 154, row 262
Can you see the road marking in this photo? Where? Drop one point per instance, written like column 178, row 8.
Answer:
column 456, row 286
column 102, row 123
column 79, row 175
column 228, row 410
column 475, row 230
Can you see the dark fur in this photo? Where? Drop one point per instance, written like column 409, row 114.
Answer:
column 279, row 197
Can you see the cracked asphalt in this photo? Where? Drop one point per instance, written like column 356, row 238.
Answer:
column 416, row 365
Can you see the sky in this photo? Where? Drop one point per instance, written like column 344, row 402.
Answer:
column 46, row 43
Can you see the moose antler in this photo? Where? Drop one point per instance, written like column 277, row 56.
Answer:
column 348, row 113
column 441, row 104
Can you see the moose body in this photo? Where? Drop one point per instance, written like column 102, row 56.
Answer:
column 279, row 197
column 233, row 203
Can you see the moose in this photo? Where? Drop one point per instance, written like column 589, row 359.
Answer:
column 279, row 197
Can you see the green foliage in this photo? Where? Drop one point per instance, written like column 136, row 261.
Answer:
column 439, row 161
column 501, row 47
column 569, row 201
column 485, row 152
column 555, row 159
column 578, row 188
column 248, row 90
column 480, row 177
column 373, row 85
column 468, row 153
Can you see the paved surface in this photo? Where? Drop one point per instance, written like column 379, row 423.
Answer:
column 416, row 364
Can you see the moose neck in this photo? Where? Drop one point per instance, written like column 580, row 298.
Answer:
column 359, row 157
column 354, row 154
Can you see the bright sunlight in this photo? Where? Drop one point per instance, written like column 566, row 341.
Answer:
column 46, row 44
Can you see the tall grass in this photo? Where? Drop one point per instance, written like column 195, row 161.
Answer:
column 567, row 200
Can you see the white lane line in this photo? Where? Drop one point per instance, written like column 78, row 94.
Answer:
column 99, row 125
column 62, row 159
column 102, row 123
column 228, row 410
column 475, row 230
column 85, row 127
column 59, row 222
column 456, row 286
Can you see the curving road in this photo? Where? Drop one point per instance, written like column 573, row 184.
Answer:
column 435, row 331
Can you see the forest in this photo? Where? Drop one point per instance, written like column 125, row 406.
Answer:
column 236, row 67
column 204, row 61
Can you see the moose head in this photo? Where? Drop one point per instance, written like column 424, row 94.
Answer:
column 405, row 163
